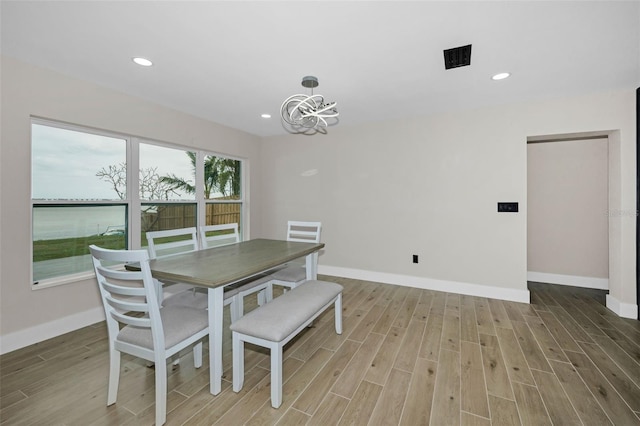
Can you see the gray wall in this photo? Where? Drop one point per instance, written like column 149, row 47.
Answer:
column 28, row 314
column 425, row 185
column 567, row 222
column 429, row 186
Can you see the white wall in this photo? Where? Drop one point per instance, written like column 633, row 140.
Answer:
column 28, row 315
column 426, row 186
column 567, row 212
column 429, row 186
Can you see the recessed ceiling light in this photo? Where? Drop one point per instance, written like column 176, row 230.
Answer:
column 501, row 76
column 266, row 116
column 142, row 61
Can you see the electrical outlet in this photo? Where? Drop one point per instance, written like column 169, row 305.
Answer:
column 415, row 258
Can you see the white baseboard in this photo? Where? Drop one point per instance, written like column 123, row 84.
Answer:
column 29, row 336
column 39, row 333
column 625, row 310
column 479, row 290
column 571, row 280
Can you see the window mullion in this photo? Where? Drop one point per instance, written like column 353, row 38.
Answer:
column 201, row 217
column 133, row 193
column 244, row 200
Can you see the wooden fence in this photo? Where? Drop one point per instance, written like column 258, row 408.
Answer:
column 176, row 216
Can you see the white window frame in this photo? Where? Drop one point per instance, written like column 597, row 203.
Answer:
column 132, row 201
column 202, row 209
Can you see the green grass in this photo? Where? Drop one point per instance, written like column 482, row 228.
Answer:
column 68, row 247
column 78, row 246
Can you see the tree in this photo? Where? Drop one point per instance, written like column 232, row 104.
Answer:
column 151, row 188
column 151, row 185
column 229, row 177
column 221, row 175
column 116, row 175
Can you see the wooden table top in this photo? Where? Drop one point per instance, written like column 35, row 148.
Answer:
column 227, row 264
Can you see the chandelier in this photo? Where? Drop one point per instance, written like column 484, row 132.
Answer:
column 308, row 114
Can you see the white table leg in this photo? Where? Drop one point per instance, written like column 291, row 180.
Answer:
column 216, row 304
column 311, row 263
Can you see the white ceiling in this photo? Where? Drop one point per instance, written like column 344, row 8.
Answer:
column 229, row 62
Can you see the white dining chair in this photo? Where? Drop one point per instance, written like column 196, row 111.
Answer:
column 295, row 274
column 224, row 234
column 168, row 243
column 219, row 235
column 172, row 242
column 150, row 332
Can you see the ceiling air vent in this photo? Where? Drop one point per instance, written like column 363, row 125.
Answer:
column 457, row 57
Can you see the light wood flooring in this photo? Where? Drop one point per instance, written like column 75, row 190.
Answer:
column 407, row 356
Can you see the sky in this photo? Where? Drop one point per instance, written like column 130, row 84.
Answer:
column 65, row 163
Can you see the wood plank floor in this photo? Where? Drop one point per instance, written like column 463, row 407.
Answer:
column 406, row 357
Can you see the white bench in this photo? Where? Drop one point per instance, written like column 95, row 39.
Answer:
column 274, row 324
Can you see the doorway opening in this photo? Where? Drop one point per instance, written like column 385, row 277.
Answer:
column 567, row 213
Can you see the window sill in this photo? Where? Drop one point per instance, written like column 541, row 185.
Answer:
column 66, row 279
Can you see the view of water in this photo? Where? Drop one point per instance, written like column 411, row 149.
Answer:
column 50, row 223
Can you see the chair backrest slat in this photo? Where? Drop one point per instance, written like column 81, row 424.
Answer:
column 122, row 290
column 306, row 232
column 142, row 322
column 171, row 242
column 120, row 273
column 128, row 305
column 219, row 235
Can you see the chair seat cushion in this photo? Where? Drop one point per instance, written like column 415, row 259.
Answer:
column 290, row 274
column 178, row 322
column 195, row 299
column 276, row 320
column 187, row 299
column 250, row 285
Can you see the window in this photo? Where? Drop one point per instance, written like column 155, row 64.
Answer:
column 100, row 188
column 72, row 207
column 167, row 189
column 223, row 191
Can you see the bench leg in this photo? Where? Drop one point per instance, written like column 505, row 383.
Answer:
column 338, row 308
column 276, row 375
column 238, row 362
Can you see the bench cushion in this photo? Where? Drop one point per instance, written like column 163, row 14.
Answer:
column 276, row 320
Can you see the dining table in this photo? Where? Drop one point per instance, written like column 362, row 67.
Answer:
column 218, row 267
